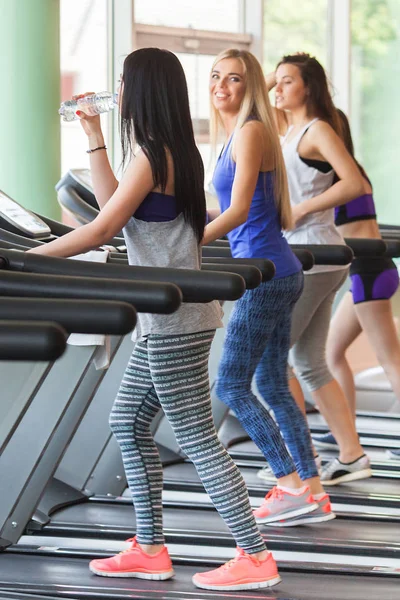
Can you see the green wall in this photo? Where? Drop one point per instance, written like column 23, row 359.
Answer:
column 29, row 99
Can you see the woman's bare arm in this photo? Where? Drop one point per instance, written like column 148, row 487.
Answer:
column 325, row 143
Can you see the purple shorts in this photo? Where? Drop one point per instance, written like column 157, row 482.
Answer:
column 373, row 279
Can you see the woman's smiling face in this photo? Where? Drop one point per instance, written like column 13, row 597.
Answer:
column 228, row 85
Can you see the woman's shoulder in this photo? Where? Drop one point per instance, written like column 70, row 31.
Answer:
column 252, row 131
column 319, row 127
column 252, row 125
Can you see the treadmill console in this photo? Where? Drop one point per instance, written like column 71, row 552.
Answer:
column 15, row 218
column 84, row 177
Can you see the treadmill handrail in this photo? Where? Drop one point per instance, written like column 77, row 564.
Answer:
column 327, row 254
column 304, row 255
column 150, row 297
column 267, row 267
column 393, row 248
column 366, row 246
column 20, row 240
column 11, row 246
column 75, row 316
column 231, row 265
column 360, row 246
column 196, row 286
column 70, row 200
column 251, row 275
column 306, row 258
column 30, row 340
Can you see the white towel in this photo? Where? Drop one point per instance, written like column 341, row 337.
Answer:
column 101, row 357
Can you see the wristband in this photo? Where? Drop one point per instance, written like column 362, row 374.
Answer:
column 98, row 148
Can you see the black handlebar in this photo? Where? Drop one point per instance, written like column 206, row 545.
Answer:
column 212, row 251
column 392, row 248
column 366, row 246
column 28, row 340
column 196, row 286
column 162, row 298
column 223, row 251
column 327, row 254
column 306, row 258
column 251, row 275
column 264, row 265
column 76, row 316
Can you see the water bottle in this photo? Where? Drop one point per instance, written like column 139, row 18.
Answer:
column 94, row 104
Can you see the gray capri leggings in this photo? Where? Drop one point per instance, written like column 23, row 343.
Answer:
column 310, row 325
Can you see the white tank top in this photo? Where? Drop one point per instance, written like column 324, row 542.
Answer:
column 306, row 182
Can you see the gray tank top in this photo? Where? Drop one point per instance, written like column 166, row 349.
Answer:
column 307, row 182
column 169, row 244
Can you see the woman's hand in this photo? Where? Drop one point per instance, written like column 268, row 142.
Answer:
column 298, row 213
column 91, row 124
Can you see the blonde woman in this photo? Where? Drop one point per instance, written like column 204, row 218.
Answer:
column 250, row 183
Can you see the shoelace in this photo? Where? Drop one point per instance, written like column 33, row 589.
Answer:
column 274, row 494
column 240, row 553
column 134, row 545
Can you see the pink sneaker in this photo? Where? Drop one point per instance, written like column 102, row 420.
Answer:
column 135, row 563
column 244, row 572
column 323, row 513
column 279, row 505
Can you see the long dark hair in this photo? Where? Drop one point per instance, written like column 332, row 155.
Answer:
column 155, row 114
column 348, row 140
column 319, row 100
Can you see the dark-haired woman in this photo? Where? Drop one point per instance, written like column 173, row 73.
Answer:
column 367, row 306
column 160, row 203
column 313, row 152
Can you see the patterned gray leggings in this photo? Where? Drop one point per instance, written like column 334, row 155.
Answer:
column 172, row 372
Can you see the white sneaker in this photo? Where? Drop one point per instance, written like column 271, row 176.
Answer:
column 336, row 472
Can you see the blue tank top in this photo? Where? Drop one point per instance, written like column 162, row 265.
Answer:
column 157, row 208
column 261, row 235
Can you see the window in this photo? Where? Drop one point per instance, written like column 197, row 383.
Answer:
column 196, row 33
column 206, row 14
column 375, row 119
column 84, row 49
column 291, row 26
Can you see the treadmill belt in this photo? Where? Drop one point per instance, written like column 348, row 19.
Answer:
column 376, row 491
column 340, row 536
column 367, row 426
column 70, row 577
column 249, row 451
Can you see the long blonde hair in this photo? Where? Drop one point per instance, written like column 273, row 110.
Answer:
column 256, row 105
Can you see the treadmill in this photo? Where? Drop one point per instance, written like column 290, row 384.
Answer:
column 111, row 456
column 380, row 493
column 377, row 429
column 382, row 559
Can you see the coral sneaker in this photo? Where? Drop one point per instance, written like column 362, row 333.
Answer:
column 323, row 513
column 135, row 563
column 244, row 572
column 279, row 504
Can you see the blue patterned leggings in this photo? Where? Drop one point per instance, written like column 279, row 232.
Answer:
column 257, row 342
column 171, row 372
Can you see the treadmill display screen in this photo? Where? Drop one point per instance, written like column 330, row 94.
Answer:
column 21, row 218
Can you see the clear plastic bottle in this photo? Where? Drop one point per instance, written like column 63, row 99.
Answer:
column 94, row 104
